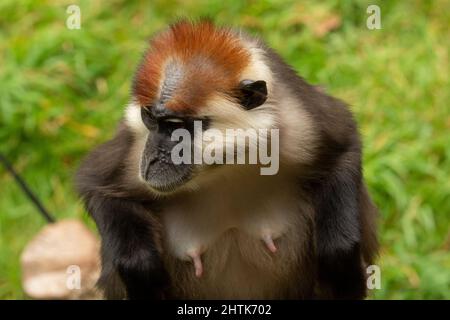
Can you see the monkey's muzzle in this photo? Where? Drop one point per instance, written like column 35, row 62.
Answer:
column 158, row 170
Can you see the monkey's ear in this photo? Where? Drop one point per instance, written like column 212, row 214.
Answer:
column 252, row 93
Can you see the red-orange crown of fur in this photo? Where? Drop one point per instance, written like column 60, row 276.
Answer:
column 212, row 58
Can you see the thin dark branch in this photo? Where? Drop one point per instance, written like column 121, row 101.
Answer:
column 33, row 198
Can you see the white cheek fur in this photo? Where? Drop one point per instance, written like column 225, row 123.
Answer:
column 133, row 119
column 134, row 122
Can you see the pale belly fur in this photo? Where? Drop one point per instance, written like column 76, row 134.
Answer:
column 221, row 248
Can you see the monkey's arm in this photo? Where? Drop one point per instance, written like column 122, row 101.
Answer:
column 129, row 246
column 338, row 230
column 130, row 258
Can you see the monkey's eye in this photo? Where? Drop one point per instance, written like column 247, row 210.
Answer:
column 252, row 93
column 170, row 124
column 148, row 118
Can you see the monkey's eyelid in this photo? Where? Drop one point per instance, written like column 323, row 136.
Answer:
column 147, row 108
column 173, row 120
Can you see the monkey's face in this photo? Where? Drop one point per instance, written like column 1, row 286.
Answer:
column 157, row 166
column 173, row 151
column 200, row 88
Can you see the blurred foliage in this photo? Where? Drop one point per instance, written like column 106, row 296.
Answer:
column 62, row 92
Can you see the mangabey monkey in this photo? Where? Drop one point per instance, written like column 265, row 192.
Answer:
column 226, row 231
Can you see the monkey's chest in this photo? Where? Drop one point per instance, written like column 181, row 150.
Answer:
column 232, row 251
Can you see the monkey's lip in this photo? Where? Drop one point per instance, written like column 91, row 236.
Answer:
column 166, row 188
column 166, row 185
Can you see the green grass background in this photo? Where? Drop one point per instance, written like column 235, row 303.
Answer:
column 62, row 92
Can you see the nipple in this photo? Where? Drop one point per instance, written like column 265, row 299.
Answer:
column 197, row 261
column 267, row 238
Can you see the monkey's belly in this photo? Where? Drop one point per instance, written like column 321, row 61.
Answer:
column 238, row 266
column 249, row 247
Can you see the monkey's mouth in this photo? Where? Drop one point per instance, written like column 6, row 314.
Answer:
column 165, row 177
